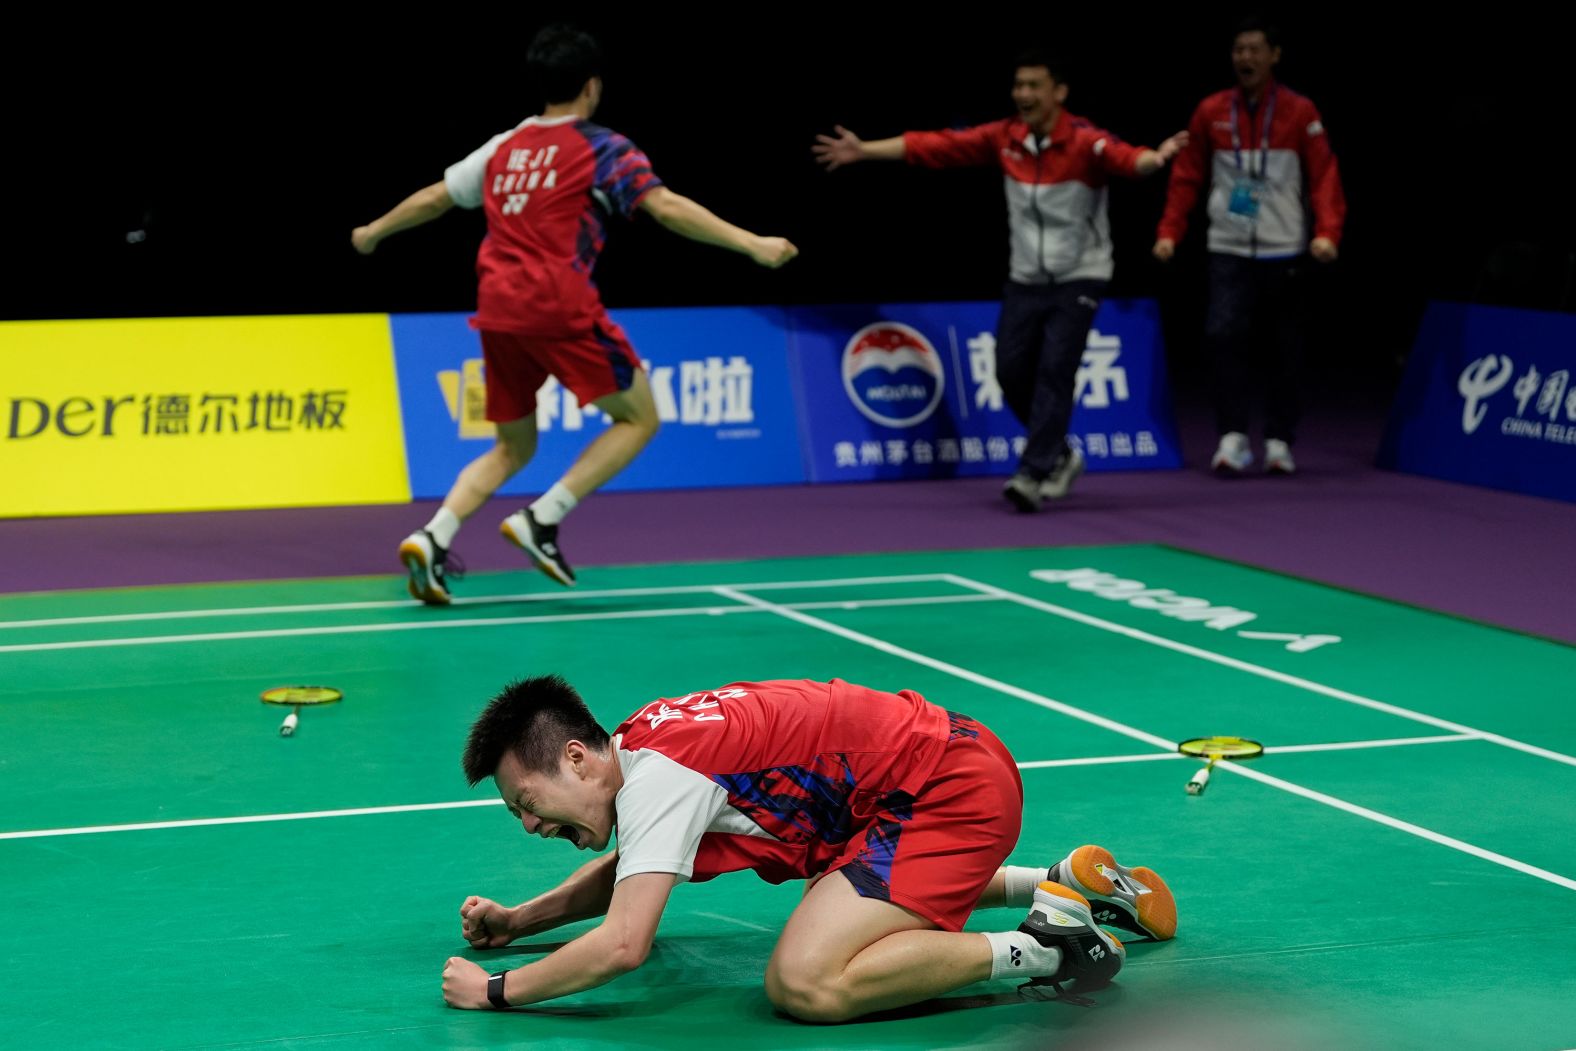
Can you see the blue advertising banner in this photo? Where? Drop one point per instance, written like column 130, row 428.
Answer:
column 719, row 376
column 909, row 391
column 1487, row 399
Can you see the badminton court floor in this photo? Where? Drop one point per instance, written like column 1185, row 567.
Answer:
column 1398, row 870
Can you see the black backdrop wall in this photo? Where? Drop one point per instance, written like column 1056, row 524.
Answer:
column 197, row 168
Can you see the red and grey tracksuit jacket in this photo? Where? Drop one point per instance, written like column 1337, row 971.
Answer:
column 1056, row 189
column 1296, row 163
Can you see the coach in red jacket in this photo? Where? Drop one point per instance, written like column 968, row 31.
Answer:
column 1264, row 153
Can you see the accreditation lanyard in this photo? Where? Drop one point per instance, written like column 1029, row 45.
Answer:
column 1236, row 139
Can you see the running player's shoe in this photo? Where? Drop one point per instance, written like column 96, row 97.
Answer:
column 429, row 568
column 540, row 542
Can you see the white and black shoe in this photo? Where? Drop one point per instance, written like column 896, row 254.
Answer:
column 1060, row 918
column 540, row 542
column 429, row 567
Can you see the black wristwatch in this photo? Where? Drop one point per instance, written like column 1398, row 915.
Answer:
column 495, row 991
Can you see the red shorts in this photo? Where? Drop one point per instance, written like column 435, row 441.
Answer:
column 591, row 366
column 936, row 855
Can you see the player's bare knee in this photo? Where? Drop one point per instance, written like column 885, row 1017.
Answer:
column 807, row 996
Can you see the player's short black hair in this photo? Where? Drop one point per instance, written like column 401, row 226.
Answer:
column 560, row 60
column 1037, row 56
column 1256, row 24
column 534, row 719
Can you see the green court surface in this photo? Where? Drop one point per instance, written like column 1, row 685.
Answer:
column 1398, row 870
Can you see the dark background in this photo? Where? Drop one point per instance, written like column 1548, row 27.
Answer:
column 242, row 153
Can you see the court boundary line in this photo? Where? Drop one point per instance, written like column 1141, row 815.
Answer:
column 1134, row 732
column 406, row 808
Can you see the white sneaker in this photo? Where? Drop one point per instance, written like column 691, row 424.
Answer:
column 1277, row 457
column 1232, row 455
column 1063, row 474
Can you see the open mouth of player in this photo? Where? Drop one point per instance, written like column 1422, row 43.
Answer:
column 568, row 832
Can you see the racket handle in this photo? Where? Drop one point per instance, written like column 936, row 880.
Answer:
column 287, row 727
column 1199, row 782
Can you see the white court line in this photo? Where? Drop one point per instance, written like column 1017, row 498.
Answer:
column 248, row 819
column 1336, row 746
column 1137, row 734
column 1390, row 742
column 734, row 919
column 1259, row 670
column 1041, row 764
column 433, row 625
column 535, row 596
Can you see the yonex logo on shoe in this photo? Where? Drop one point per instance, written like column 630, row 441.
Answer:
column 1096, row 953
column 1017, row 956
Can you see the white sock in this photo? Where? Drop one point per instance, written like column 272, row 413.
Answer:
column 1014, row 954
column 443, row 526
column 1021, row 882
column 554, row 504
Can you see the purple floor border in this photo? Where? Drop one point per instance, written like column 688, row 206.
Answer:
column 1486, row 555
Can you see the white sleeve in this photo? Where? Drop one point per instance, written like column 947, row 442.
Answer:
column 466, row 179
column 663, row 810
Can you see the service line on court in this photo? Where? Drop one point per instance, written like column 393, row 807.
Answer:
column 1141, row 735
column 480, row 622
column 253, row 819
column 1335, row 746
column 473, row 600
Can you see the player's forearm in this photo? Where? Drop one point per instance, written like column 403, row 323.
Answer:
column 583, row 895
column 423, row 206
column 1149, row 162
column 696, row 222
column 893, row 149
column 595, row 958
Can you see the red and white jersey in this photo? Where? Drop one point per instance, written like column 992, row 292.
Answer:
column 1056, row 189
column 548, row 187
column 769, row 776
column 1228, row 142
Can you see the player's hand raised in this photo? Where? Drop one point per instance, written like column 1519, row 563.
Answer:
column 772, row 252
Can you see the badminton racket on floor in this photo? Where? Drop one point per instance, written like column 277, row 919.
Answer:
column 297, row 697
column 1214, row 749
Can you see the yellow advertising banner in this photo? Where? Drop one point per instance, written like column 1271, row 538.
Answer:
column 188, row 414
